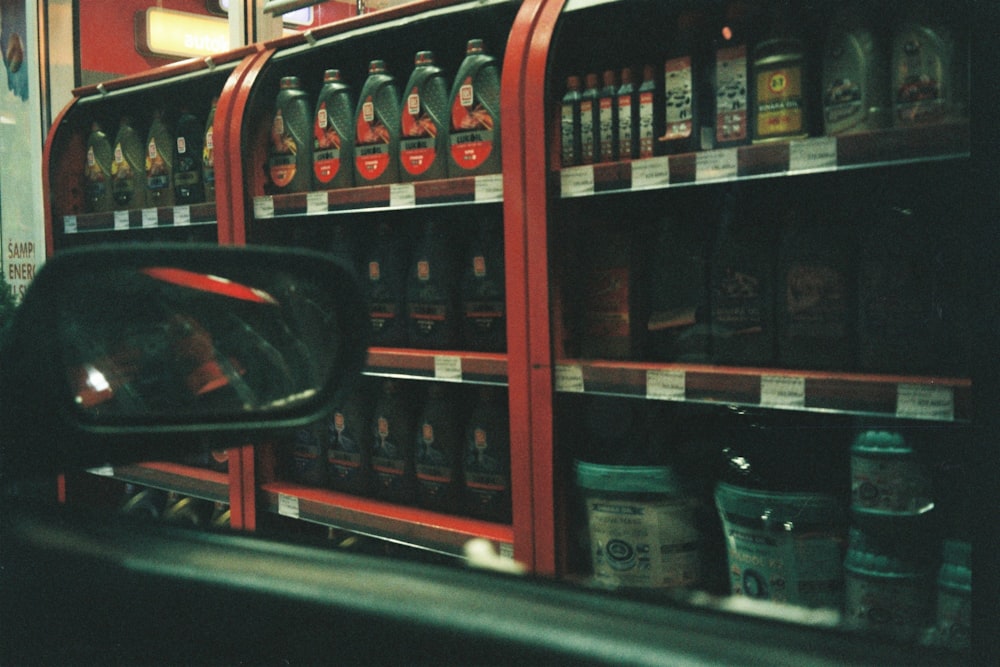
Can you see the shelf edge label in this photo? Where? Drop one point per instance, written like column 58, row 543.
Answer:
column 817, row 154
column 150, row 218
column 69, row 224
column 317, row 203
column 448, row 368
column 263, row 207
column 923, row 401
column 650, row 173
column 288, row 506
column 576, row 181
column 102, row 471
column 716, row 165
column 666, row 385
column 402, row 195
column 782, row 391
column 182, row 216
column 121, row 221
column 489, row 188
column 569, row 378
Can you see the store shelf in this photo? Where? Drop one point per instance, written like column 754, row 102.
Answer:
column 465, row 190
column 819, row 154
column 185, row 480
column 910, row 397
column 408, row 525
column 140, row 219
column 444, row 365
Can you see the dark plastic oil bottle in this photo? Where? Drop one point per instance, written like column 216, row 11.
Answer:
column 475, row 114
column 159, row 163
column 681, row 86
column 590, row 121
column 128, row 173
column 855, row 74
column 423, row 142
column 333, row 134
column 484, row 307
column 731, row 78
column 290, row 154
column 309, row 454
column 385, row 268
column 780, row 84
column 648, row 112
column 97, row 171
column 208, row 154
column 392, row 444
column 432, row 287
column 438, row 450
column 188, row 150
column 487, row 457
column 570, row 123
column 626, row 132
column 348, row 459
column 929, row 71
column 607, row 117
column 376, row 138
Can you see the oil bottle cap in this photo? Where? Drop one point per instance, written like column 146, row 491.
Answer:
column 591, row 80
column 331, row 75
column 609, row 78
column 475, row 46
column 626, row 75
column 573, row 82
column 376, row 66
column 647, row 73
column 424, row 58
column 290, row 82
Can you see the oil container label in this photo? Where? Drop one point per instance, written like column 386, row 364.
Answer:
column 780, row 103
column 372, row 143
column 680, row 98
column 895, row 607
column 647, row 133
column 587, row 131
column 624, row 127
column 419, row 133
column 567, row 128
column 890, row 484
column 731, row 94
column 326, row 155
column 281, row 163
column 157, row 177
column 606, row 116
column 208, row 157
column 471, row 129
column 644, row 544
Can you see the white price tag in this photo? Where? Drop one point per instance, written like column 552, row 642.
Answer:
column 651, row 173
column 576, row 181
column 150, row 218
column 263, row 207
column 121, row 220
column 819, row 154
column 569, row 378
column 923, row 401
column 489, row 188
column 780, row 391
column 69, row 224
column 507, row 550
column 402, row 195
column 288, row 506
column 666, row 385
column 722, row 164
column 182, row 216
column 102, row 471
column 317, row 203
column 448, row 368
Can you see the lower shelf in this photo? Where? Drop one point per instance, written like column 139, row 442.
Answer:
column 412, row 526
column 185, row 480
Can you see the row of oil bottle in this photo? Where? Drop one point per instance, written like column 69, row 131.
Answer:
column 175, row 165
column 427, row 130
column 430, row 444
column 851, row 273
column 747, row 84
column 173, row 507
column 866, row 520
column 434, row 284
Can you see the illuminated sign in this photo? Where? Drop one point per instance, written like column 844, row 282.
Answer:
column 303, row 16
column 165, row 32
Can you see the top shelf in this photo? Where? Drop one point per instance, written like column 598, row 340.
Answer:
column 820, row 154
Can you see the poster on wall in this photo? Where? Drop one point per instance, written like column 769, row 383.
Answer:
column 22, row 231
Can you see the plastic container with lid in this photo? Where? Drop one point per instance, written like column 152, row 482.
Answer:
column 475, row 114
column 886, row 476
column 423, row 142
column 289, row 160
column 954, row 596
column 642, row 526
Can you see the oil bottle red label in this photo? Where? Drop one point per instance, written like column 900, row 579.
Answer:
column 290, row 154
column 333, row 134
column 424, row 122
column 377, row 129
column 475, row 114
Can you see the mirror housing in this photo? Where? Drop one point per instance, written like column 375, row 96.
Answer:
column 140, row 352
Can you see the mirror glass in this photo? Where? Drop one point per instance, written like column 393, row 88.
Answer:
column 172, row 340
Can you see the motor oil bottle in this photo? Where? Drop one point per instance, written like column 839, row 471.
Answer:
column 569, row 123
column 376, row 138
column 97, row 171
column 309, row 454
column 626, row 130
column 188, row 151
column 385, row 265
column 392, row 444
column 475, row 114
column 607, row 293
column 780, row 84
column 438, row 450
column 484, row 307
column 681, row 84
column 159, row 163
column 333, row 134
column 648, row 106
column 607, row 118
column 590, row 121
column 855, row 74
column 432, row 289
column 289, row 161
column 423, row 143
column 348, row 459
column 128, row 173
column 928, row 71
column 208, row 154
column 487, row 457
column 730, row 78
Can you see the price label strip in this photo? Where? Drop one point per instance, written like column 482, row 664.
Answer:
column 819, row 154
column 402, row 195
column 150, row 218
column 489, row 187
column 717, row 165
column 923, row 401
column 666, row 385
column 448, row 368
column 182, row 216
column 569, row 378
column 121, row 221
column 288, row 506
column 651, row 173
column 780, row 391
column 263, row 207
column 317, row 203
column 576, row 181
column 69, row 224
